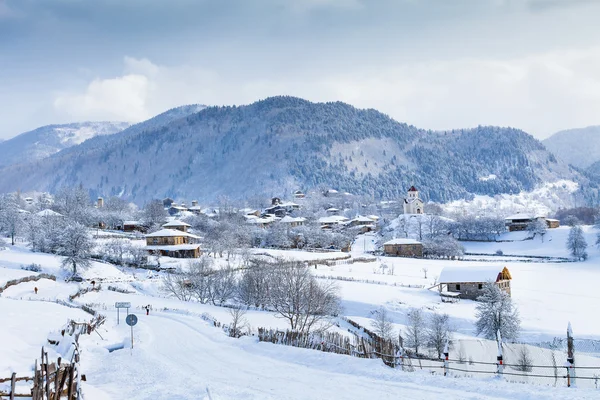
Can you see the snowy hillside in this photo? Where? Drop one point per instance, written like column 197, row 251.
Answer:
column 545, row 199
column 280, row 144
column 47, row 140
column 580, row 147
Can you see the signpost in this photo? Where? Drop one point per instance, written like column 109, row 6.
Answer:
column 122, row 304
column 131, row 320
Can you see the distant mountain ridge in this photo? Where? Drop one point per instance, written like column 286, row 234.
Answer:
column 47, row 140
column 280, row 144
column 579, row 147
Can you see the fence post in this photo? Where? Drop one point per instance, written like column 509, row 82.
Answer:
column 499, row 358
column 446, row 354
column 400, row 357
column 570, row 364
column 13, row 380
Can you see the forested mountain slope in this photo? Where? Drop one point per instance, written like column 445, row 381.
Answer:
column 279, row 144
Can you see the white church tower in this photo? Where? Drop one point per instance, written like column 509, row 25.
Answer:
column 413, row 204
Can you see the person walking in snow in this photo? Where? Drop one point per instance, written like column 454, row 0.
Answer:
column 147, row 310
column 35, row 289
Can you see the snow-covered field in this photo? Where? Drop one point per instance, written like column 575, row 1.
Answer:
column 178, row 355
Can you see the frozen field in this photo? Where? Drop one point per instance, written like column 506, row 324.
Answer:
column 186, row 355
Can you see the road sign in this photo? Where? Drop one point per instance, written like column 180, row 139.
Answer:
column 122, row 304
column 131, row 320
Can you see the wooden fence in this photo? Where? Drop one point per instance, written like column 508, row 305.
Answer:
column 26, row 279
column 57, row 380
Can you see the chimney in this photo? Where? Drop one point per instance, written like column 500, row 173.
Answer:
column 194, row 203
column 100, row 202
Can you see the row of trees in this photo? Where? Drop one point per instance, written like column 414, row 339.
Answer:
column 286, row 288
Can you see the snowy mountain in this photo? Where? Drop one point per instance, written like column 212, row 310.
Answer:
column 579, row 147
column 279, row 144
column 47, row 140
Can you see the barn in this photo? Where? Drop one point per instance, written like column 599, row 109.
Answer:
column 468, row 282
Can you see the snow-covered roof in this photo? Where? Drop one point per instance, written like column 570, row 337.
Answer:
column 552, row 220
column 175, row 223
column 48, row 213
column 373, row 217
column 132, row 223
column 332, row 209
column 174, row 247
column 334, row 219
column 171, row 233
column 360, row 218
column 519, row 216
column 401, row 241
column 289, row 220
column 479, row 274
column 289, row 204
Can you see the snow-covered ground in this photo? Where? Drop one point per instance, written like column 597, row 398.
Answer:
column 177, row 355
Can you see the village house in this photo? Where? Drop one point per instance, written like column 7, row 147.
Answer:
column 403, row 248
column 413, row 204
column 177, row 225
column 133, row 226
column 298, row 194
column 173, row 243
column 366, row 223
column 195, row 208
column 331, row 221
column 292, row 222
column 467, row 282
column 521, row 221
column 176, row 209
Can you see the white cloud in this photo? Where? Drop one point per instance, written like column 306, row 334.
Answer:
column 540, row 94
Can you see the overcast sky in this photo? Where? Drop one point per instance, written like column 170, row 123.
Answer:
column 436, row 64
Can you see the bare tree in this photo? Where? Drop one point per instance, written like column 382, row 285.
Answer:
column 253, row 288
column 382, row 325
column 298, row 297
column 425, row 270
column 221, row 286
column 177, row 284
column 438, row 332
column 154, row 214
column 238, row 321
column 524, row 362
column 538, row 227
column 415, row 329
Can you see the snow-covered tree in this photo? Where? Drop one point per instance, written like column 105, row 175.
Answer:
column 11, row 220
column 154, row 214
column 75, row 246
column 576, row 243
column 496, row 312
column 537, row 227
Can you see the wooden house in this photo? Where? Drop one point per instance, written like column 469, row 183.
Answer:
column 177, row 225
column 173, row 243
column 403, row 248
column 468, row 281
column 133, row 226
column 292, row 222
column 552, row 223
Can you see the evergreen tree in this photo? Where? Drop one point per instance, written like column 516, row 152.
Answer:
column 496, row 312
column 576, row 243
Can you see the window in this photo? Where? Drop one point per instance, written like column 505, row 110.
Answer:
column 480, row 286
column 457, row 287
